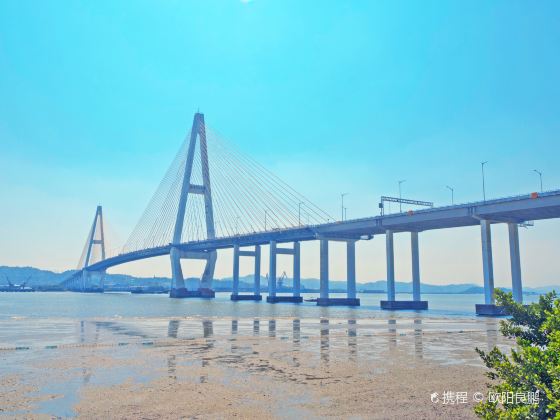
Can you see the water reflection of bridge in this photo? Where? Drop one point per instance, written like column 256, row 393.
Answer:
column 234, row 342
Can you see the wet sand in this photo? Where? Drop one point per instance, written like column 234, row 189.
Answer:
column 250, row 368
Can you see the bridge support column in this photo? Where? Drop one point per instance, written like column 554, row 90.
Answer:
column 390, row 253
column 295, row 253
column 272, row 272
column 350, row 299
column 178, row 289
column 205, row 288
column 257, row 289
column 415, row 303
column 488, row 308
column 178, row 282
column 235, row 288
column 324, row 269
column 514, row 254
column 296, row 272
column 351, row 269
column 88, row 285
column 415, row 266
column 235, row 296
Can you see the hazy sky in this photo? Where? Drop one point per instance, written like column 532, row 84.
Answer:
column 333, row 96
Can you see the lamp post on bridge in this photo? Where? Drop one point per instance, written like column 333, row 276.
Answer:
column 342, row 205
column 299, row 213
column 400, row 195
column 483, row 183
column 540, row 177
column 451, row 189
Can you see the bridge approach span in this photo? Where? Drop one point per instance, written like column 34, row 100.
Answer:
column 516, row 209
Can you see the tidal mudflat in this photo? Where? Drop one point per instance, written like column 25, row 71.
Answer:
column 246, row 367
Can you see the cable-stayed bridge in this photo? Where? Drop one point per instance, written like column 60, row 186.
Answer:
column 215, row 197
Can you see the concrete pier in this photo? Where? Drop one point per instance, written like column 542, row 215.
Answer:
column 324, row 269
column 295, row 253
column 390, row 265
column 256, row 254
column 404, row 304
column 489, row 307
column 272, row 272
column 246, row 297
column 184, row 293
column 178, row 289
column 235, row 288
column 487, row 263
column 351, row 269
column 297, row 269
column 350, row 299
column 257, row 282
column 284, row 298
column 415, row 266
column 416, row 303
column 515, row 259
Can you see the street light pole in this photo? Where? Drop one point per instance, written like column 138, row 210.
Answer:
column 483, row 183
column 451, row 189
column 342, row 205
column 540, row 176
column 299, row 213
column 400, row 195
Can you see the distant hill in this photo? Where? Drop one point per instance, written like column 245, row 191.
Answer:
column 36, row 277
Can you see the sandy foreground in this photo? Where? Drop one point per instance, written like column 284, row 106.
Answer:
column 248, row 368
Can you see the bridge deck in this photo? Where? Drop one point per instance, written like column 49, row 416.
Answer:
column 511, row 209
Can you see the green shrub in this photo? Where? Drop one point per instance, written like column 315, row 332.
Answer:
column 534, row 364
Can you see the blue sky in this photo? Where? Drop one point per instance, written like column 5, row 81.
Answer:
column 95, row 99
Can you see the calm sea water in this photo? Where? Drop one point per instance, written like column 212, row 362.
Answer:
column 67, row 336
column 108, row 305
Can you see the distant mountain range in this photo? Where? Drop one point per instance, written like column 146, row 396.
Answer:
column 36, row 277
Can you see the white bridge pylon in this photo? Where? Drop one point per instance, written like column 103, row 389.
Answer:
column 213, row 191
column 94, row 250
column 188, row 188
